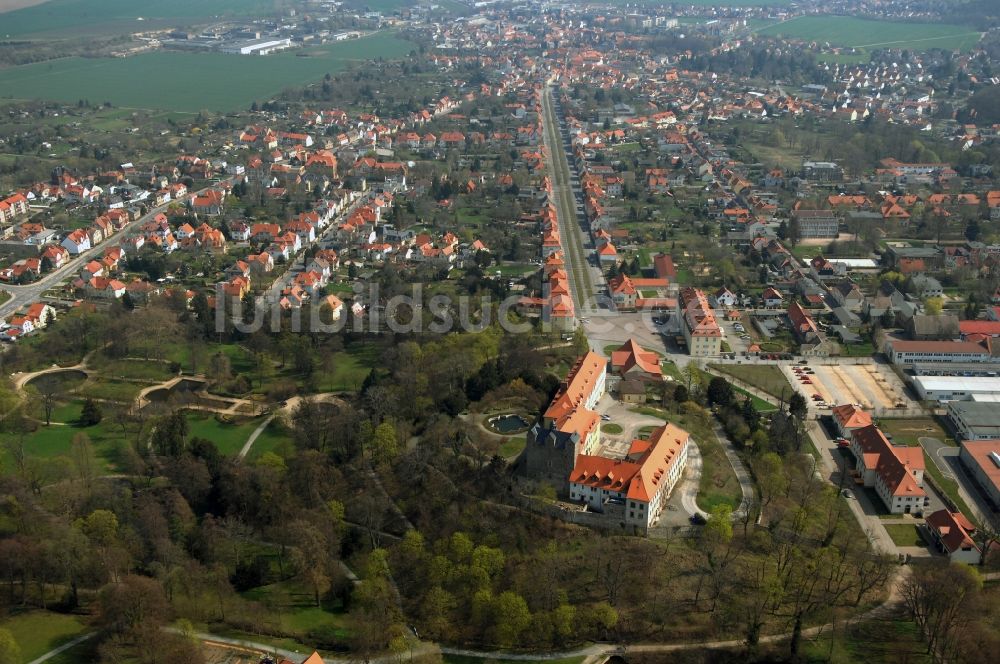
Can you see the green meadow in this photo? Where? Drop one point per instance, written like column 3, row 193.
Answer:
column 190, row 81
column 864, row 33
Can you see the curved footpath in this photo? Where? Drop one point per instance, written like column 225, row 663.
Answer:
column 592, row 652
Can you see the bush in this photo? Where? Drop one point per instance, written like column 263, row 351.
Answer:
column 91, row 413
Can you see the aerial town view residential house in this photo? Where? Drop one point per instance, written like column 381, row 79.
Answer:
column 701, row 331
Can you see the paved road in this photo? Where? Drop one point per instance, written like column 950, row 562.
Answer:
column 25, row 295
column 741, row 472
column 570, row 231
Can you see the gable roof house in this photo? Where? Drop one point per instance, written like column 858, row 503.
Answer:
column 632, row 361
column 848, row 418
column 77, row 242
column 954, row 535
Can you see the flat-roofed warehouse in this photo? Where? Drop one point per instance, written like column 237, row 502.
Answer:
column 975, row 420
column 982, row 459
column 955, row 388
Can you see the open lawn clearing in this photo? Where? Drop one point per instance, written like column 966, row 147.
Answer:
column 151, row 80
column 151, row 370
column 904, row 534
column 857, row 32
column 43, row 17
column 111, row 390
column 909, row 431
column 295, row 610
column 274, row 439
column 765, row 377
column 351, row 367
column 881, row 640
column 38, row 632
column 56, row 441
column 611, row 427
column 228, row 438
column 512, row 446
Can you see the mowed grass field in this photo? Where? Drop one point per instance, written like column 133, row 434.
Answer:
column 106, row 15
column 864, row 33
column 190, row 81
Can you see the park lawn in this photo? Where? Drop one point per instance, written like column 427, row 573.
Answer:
column 240, row 359
column 274, row 438
column 56, row 441
column 136, row 369
column 351, row 367
column 512, row 446
column 765, row 377
column 611, row 427
column 38, row 632
column 228, row 438
column 876, row 641
column 150, row 80
column 105, row 389
column 296, row 611
column 858, row 32
column 905, row 534
column 909, row 431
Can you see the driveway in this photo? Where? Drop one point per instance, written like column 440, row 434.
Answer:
column 616, row 445
column 951, row 467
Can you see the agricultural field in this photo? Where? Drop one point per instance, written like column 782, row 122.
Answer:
column 190, row 81
column 868, row 34
column 65, row 17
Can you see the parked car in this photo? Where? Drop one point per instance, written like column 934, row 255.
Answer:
column 843, row 442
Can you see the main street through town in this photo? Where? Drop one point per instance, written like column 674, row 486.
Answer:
column 569, row 209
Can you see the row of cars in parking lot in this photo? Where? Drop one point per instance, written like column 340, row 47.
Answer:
column 805, row 376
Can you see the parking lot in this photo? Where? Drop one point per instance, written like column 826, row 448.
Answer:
column 874, row 387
